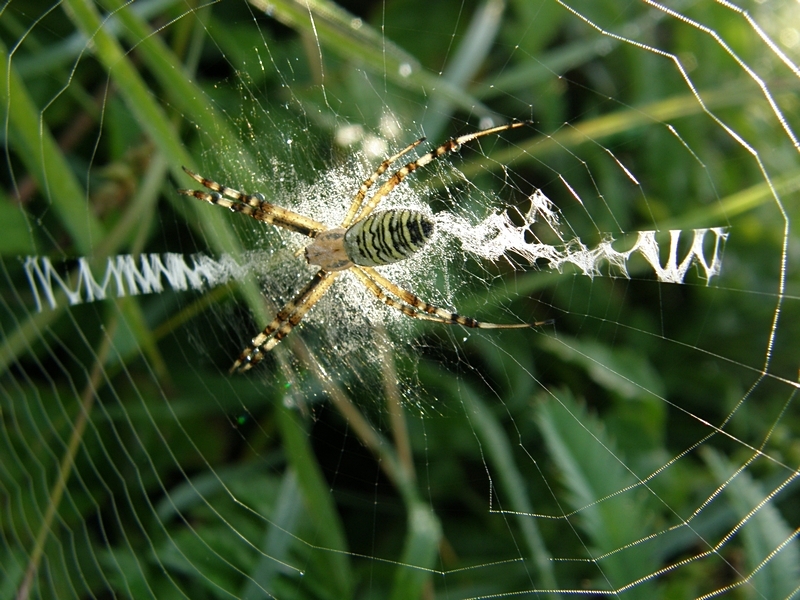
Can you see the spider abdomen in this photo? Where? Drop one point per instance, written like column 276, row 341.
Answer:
column 387, row 237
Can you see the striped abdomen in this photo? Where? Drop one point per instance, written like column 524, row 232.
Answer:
column 386, row 237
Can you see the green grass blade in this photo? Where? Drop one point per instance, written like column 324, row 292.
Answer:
column 421, row 549
column 593, row 472
column 765, row 530
column 317, row 499
column 497, row 448
column 355, row 40
column 173, row 78
column 33, row 143
column 469, row 58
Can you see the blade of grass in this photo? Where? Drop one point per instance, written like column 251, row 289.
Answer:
column 421, row 544
column 140, row 101
column 277, row 545
column 622, row 371
column 67, row 464
column 468, row 59
column 771, row 574
column 594, row 473
column 597, row 129
column 496, row 444
column 31, row 140
column 135, row 92
column 318, row 500
column 525, row 74
column 350, row 38
column 162, row 62
column 420, row 552
column 739, row 203
column 53, row 56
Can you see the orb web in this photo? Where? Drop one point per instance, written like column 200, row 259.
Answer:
column 641, row 443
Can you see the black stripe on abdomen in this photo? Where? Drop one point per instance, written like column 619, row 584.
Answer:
column 387, row 237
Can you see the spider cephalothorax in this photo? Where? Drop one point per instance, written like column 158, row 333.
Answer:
column 364, row 240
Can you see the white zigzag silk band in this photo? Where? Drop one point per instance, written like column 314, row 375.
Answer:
column 155, row 273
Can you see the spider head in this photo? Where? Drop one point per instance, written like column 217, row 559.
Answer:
column 327, row 251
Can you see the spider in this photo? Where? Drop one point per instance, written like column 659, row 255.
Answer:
column 365, row 240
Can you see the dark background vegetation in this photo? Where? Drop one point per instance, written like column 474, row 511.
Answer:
column 134, row 466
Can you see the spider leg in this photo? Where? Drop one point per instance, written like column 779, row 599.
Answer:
column 453, row 145
column 362, row 192
column 253, row 205
column 401, row 306
column 424, row 310
column 283, row 323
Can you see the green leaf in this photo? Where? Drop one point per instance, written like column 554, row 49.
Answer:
column 771, row 546
column 318, row 502
column 605, row 501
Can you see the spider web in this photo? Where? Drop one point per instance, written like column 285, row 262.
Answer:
column 642, row 443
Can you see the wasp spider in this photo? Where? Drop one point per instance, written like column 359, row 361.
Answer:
column 364, row 240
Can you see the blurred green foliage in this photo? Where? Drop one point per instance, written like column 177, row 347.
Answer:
column 133, row 466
